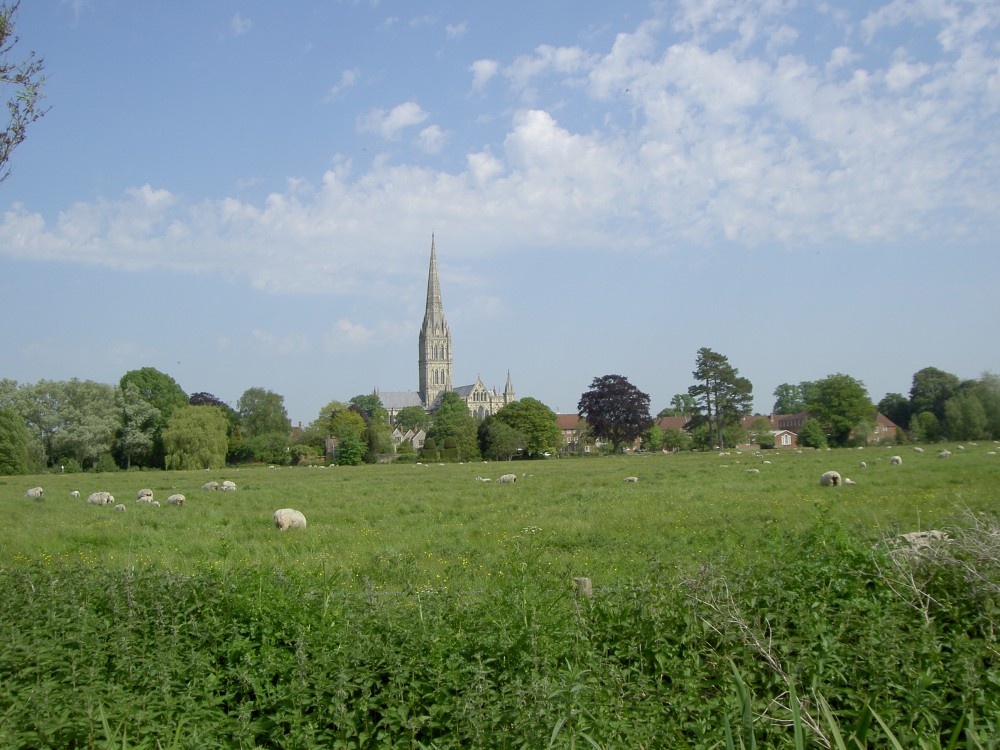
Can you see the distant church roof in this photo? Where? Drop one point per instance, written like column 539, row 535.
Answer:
column 394, row 400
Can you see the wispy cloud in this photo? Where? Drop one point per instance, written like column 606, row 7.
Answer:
column 238, row 25
column 390, row 124
column 348, row 79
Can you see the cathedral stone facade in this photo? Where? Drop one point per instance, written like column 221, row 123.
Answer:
column 435, row 365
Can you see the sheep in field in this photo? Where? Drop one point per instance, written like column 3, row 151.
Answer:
column 120, row 507
column 896, row 460
column 144, row 493
column 289, row 518
column 176, row 500
column 210, row 486
column 508, row 479
column 35, row 493
column 75, row 493
column 848, row 481
column 944, row 454
column 863, row 465
column 632, row 480
column 101, row 498
column 830, row 479
column 228, row 486
column 917, row 449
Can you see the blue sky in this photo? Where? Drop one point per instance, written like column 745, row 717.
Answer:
column 243, row 193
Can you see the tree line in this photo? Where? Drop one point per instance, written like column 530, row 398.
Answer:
column 148, row 421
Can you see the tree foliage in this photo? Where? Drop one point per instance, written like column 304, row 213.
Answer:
column 163, row 393
column 140, row 422
column 681, row 405
column 14, row 443
column 370, row 407
column 412, row 418
column 789, row 398
column 811, row 434
column 195, row 438
column 931, row 389
column 841, row 405
column 262, row 412
column 23, row 81
column 535, row 421
column 500, row 441
column 724, row 396
column 615, row 410
column 896, row 407
column 452, row 419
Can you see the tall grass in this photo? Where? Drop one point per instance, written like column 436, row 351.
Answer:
column 423, row 608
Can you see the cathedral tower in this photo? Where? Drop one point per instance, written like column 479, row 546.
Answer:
column 435, row 342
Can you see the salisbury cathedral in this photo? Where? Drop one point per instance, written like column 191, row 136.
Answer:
column 435, row 365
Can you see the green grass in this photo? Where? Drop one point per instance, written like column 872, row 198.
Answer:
column 425, row 609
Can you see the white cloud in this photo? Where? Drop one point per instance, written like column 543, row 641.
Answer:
column 389, row 124
column 238, row 25
column 456, row 30
column 346, row 334
column 483, row 72
column 432, row 139
column 348, row 79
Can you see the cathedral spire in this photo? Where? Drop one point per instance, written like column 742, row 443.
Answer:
column 435, row 341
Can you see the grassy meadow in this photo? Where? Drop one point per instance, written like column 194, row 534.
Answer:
column 423, row 607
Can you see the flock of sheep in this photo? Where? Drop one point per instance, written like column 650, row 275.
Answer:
column 284, row 518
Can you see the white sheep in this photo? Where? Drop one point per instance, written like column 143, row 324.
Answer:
column 896, row 460
column 210, row 486
column 848, row 481
column 35, row 492
column 155, row 503
column 228, row 486
column 753, row 471
column 917, row 449
column 120, row 507
column 863, row 465
column 632, row 480
column 289, row 518
column 830, row 479
column 145, row 492
column 508, row 479
column 483, row 479
column 944, row 454
column 75, row 493
column 176, row 500
column 101, row 498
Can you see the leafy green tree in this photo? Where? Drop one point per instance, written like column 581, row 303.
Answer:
column 350, row 450
column 501, row 441
column 988, row 390
column 535, row 421
column 896, row 407
column 26, row 79
column 195, row 438
column 412, row 418
column 925, row 427
column 370, row 407
column 162, row 392
column 681, row 405
column 615, row 410
column 430, row 449
column 71, row 419
column 347, row 423
column 724, row 396
column 931, row 389
column 15, row 440
column 676, row 439
column 452, row 419
column 377, row 438
column 262, row 412
column 652, row 439
column 760, row 432
column 965, row 418
column 789, row 399
column 811, row 434
column 841, row 405
column 140, row 422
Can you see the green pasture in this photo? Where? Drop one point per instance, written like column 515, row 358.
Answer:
column 417, row 525
column 424, row 608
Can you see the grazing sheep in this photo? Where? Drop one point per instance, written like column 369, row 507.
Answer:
column 120, row 507
column 917, row 449
column 633, row 480
column 508, row 479
column 101, row 498
column 483, row 479
column 289, row 518
column 228, row 486
column 75, row 493
column 863, row 465
column 210, row 486
column 944, row 454
column 830, row 479
column 34, row 492
column 753, row 471
column 146, row 492
column 896, row 460
column 848, row 481
column 991, row 453
column 176, row 500
column 155, row 503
